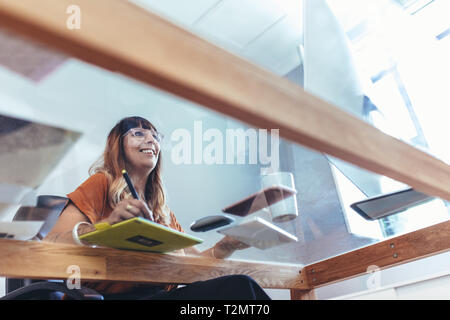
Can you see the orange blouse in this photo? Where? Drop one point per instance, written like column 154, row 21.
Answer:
column 91, row 198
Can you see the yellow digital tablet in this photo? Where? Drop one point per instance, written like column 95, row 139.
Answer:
column 139, row 234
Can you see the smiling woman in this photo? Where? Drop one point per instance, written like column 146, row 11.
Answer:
column 133, row 144
column 127, row 147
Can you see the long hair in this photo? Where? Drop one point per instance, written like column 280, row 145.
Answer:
column 112, row 162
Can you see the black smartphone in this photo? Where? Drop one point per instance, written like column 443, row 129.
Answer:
column 391, row 203
column 259, row 200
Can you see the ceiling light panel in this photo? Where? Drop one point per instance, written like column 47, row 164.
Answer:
column 276, row 50
column 181, row 12
column 240, row 22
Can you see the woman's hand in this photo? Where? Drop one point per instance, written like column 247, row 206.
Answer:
column 225, row 247
column 127, row 209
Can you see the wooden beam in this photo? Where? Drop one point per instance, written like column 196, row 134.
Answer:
column 42, row 260
column 398, row 250
column 119, row 36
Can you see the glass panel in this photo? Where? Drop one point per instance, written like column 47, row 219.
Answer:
column 382, row 61
column 211, row 161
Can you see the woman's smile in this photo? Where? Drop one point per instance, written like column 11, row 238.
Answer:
column 148, row 151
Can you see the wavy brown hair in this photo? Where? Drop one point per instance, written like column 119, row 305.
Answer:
column 112, row 162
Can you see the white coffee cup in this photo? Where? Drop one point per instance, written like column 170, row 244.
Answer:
column 286, row 209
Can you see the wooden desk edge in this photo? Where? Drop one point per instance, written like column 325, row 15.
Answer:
column 43, row 260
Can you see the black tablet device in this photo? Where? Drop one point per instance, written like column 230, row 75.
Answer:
column 384, row 205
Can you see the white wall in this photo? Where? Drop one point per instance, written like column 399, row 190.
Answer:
column 424, row 279
column 414, row 280
column 436, row 287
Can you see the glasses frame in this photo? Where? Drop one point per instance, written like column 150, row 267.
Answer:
column 158, row 138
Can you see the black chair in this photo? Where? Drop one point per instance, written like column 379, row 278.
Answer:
column 48, row 209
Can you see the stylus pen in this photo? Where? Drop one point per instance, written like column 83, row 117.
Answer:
column 130, row 184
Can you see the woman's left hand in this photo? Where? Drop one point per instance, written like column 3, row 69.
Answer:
column 225, row 247
column 233, row 243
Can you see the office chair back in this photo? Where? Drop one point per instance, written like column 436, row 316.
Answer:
column 48, row 209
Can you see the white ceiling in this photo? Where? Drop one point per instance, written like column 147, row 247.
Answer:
column 266, row 32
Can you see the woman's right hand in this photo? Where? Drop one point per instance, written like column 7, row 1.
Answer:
column 127, row 209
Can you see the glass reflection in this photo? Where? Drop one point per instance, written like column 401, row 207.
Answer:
column 212, row 161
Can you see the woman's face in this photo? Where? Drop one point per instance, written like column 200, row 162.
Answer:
column 142, row 147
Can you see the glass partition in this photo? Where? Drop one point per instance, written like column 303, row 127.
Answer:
column 211, row 161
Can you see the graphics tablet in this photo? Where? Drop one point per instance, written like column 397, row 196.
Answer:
column 139, row 234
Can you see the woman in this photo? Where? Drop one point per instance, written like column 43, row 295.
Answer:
column 134, row 145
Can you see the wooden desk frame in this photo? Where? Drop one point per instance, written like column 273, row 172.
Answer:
column 19, row 259
column 122, row 37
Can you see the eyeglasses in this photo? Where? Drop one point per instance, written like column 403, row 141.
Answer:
column 142, row 134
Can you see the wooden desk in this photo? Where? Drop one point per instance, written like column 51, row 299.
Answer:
column 42, row 260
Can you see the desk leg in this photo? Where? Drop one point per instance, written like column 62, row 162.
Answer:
column 303, row 294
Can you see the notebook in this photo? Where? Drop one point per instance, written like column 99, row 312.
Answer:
column 139, row 234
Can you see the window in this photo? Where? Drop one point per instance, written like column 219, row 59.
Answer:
column 400, row 61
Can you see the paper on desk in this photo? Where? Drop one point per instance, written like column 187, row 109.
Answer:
column 20, row 230
column 259, row 233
